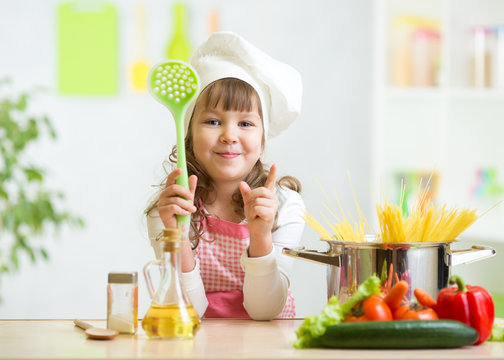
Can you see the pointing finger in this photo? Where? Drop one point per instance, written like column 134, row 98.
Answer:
column 193, row 181
column 271, row 180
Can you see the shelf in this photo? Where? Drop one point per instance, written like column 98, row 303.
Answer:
column 414, row 92
column 450, row 127
column 426, row 93
column 472, row 93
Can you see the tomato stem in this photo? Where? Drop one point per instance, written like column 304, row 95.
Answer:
column 359, row 311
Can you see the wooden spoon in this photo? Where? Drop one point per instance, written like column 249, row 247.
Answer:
column 96, row 333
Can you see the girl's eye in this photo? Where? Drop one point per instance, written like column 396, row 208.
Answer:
column 245, row 124
column 212, row 122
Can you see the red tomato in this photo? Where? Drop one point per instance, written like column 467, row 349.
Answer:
column 372, row 309
column 415, row 312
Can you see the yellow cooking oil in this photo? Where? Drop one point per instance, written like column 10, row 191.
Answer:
column 171, row 321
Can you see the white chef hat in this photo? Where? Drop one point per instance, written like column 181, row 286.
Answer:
column 278, row 85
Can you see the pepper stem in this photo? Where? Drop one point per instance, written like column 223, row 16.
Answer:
column 460, row 283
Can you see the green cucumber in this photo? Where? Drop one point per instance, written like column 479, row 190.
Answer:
column 399, row 334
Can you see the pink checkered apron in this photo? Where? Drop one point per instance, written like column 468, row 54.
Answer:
column 221, row 271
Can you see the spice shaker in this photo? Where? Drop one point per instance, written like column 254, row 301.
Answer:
column 122, row 302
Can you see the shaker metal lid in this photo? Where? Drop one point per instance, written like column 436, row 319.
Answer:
column 123, row 277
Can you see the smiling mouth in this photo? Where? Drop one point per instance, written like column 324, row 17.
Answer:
column 228, row 155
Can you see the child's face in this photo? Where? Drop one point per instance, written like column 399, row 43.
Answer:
column 227, row 143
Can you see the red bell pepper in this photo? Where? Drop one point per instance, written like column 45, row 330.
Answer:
column 471, row 305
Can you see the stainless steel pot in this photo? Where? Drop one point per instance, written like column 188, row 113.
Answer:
column 425, row 265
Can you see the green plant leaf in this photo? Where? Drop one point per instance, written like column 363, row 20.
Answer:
column 6, row 105
column 33, row 174
column 21, row 103
column 3, row 194
column 52, row 132
column 31, row 253
column 14, row 259
column 44, row 253
column 4, row 266
column 7, row 221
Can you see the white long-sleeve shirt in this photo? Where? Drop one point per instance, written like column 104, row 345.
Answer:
column 267, row 278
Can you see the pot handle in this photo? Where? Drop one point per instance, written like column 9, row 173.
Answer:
column 313, row 256
column 466, row 256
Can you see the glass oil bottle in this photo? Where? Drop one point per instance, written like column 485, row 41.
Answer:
column 171, row 315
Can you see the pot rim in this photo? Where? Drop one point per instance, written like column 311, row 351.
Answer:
column 370, row 243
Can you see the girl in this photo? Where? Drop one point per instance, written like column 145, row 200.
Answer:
column 241, row 216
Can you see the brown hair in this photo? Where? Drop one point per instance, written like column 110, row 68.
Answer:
column 236, row 95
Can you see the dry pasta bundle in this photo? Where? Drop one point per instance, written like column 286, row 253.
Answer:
column 427, row 222
column 318, row 227
column 344, row 228
column 391, row 223
column 430, row 224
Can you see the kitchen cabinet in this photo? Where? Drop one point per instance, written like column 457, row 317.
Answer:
column 216, row 339
column 439, row 118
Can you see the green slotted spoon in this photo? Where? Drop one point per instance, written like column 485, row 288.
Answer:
column 174, row 84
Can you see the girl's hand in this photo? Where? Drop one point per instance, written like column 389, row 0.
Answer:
column 260, row 206
column 176, row 199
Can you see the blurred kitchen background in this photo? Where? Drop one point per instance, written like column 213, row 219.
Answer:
column 393, row 89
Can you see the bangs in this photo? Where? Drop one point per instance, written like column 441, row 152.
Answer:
column 231, row 94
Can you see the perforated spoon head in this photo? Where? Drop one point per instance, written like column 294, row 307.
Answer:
column 173, row 83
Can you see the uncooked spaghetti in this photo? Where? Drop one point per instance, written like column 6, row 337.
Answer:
column 427, row 222
column 344, row 228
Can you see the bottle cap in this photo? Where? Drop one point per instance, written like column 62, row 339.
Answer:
column 171, row 234
column 171, row 239
column 123, row 277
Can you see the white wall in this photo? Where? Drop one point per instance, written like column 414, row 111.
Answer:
column 109, row 150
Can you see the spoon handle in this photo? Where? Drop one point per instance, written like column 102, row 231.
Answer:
column 82, row 324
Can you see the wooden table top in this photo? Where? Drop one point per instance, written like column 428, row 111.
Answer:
column 216, row 339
